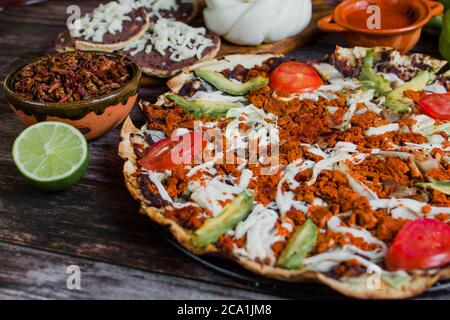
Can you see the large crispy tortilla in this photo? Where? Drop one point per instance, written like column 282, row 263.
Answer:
column 353, row 287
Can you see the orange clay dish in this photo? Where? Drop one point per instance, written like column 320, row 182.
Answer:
column 358, row 169
column 87, row 99
column 401, row 22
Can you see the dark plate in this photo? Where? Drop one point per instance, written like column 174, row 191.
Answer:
column 276, row 287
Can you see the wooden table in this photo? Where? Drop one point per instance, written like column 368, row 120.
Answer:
column 95, row 224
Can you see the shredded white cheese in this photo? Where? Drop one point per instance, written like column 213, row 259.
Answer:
column 422, row 122
column 363, row 97
column 176, row 38
column 382, row 129
column 342, row 151
column 207, row 166
column 261, row 128
column 210, row 192
column 158, row 5
column 106, row 18
column 324, row 262
column 357, row 186
column 334, row 224
column 260, row 231
column 285, row 200
column 156, row 178
column 218, row 96
column 407, row 208
column 436, row 88
column 393, row 79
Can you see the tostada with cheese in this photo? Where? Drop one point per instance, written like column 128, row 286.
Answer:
column 115, row 24
column 335, row 171
column 108, row 27
column 153, row 33
column 169, row 46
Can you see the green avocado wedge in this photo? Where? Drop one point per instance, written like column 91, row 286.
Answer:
column 396, row 100
column 220, row 82
column 372, row 80
column 231, row 215
column 441, row 186
column 202, row 108
column 302, row 242
column 444, row 39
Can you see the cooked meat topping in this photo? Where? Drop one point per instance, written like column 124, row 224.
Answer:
column 71, row 77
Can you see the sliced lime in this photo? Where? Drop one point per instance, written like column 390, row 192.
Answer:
column 51, row 155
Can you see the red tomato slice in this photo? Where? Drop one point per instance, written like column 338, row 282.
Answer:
column 167, row 153
column 294, row 77
column 436, row 106
column 420, row 244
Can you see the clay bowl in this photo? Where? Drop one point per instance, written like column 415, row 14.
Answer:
column 403, row 38
column 93, row 117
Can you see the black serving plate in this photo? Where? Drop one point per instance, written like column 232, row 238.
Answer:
column 277, row 287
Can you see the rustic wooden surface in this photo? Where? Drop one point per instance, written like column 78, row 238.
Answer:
column 95, row 224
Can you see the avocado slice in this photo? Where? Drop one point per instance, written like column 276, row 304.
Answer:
column 232, row 214
column 220, row 82
column 396, row 279
column 441, row 186
column 396, row 100
column 372, row 80
column 199, row 108
column 302, row 242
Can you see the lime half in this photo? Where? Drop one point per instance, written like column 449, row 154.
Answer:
column 51, row 155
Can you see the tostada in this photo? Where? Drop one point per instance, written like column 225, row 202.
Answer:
column 335, row 171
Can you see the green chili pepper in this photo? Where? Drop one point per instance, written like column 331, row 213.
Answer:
column 434, row 26
column 444, row 40
column 446, row 3
column 442, row 186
